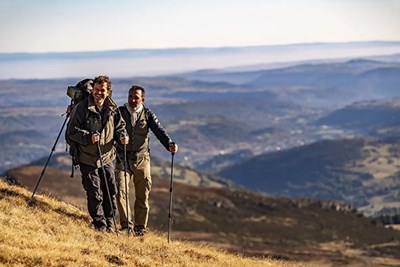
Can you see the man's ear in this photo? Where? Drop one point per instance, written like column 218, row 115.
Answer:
column 142, row 99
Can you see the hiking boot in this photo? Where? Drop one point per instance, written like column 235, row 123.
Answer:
column 139, row 230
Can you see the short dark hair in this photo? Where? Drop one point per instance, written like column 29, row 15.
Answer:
column 103, row 79
column 137, row 87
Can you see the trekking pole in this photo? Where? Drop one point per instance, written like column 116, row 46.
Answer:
column 170, row 199
column 126, row 190
column 107, row 188
column 51, row 153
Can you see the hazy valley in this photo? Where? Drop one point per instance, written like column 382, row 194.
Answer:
column 264, row 113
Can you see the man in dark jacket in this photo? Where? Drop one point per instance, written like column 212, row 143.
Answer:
column 94, row 120
column 139, row 120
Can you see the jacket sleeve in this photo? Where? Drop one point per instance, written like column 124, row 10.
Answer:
column 119, row 125
column 158, row 130
column 76, row 121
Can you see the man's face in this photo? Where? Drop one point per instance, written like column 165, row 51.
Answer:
column 135, row 98
column 100, row 92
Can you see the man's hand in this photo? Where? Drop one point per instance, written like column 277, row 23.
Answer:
column 173, row 148
column 69, row 109
column 95, row 138
column 124, row 139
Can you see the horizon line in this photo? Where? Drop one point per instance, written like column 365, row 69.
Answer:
column 392, row 42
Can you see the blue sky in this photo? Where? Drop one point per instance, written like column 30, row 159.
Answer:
column 88, row 25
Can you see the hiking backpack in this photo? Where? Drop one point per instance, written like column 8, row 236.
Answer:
column 77, row 93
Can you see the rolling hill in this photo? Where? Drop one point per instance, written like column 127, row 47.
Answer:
column 377, row 118
column 320, row 84
column 361, row 172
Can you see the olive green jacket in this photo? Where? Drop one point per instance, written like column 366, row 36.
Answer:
column 85, row 120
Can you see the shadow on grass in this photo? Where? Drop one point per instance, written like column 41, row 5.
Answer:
column 40, row 204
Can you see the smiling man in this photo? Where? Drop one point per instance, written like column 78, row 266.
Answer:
column 139, row 120
column 94, row 127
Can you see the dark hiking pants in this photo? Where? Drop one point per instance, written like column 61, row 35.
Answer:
column 97, row 198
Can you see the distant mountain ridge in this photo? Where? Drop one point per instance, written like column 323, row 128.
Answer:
column 317, row 84
column 131, row 62
column 189, row 50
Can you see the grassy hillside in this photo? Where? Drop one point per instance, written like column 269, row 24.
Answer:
column 46, row 232
column 324, row 232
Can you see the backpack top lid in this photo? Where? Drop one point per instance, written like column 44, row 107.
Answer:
column 80, row 91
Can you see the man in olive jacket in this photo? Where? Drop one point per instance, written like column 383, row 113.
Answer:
column 139, row 120
column 94, row 120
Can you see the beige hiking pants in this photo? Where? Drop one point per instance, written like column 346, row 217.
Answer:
column 138, row 172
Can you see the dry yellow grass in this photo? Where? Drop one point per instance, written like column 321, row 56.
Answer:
column 46, row 232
